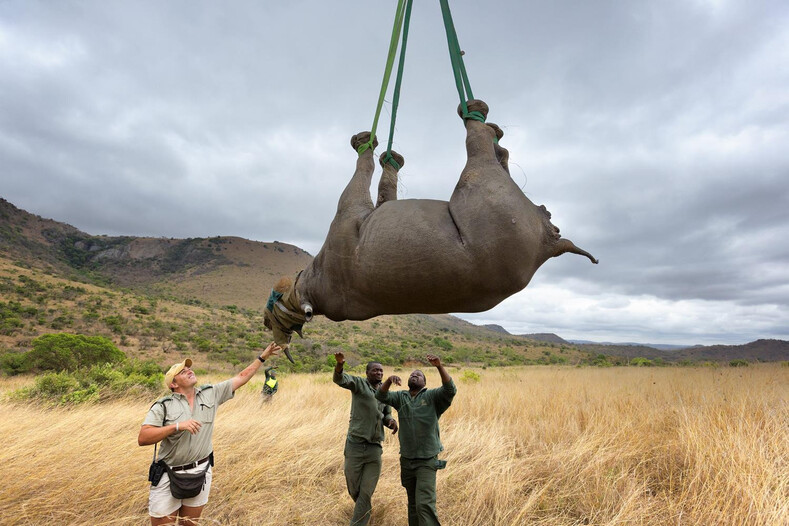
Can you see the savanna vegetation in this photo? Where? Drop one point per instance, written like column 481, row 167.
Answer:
column 585, row 438
column 553, row 445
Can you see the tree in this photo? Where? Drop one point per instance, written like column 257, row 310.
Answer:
column 66, row 352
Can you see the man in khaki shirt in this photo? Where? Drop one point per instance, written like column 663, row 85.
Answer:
column 184, row 423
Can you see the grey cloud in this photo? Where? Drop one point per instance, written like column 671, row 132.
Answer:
column 654, row 133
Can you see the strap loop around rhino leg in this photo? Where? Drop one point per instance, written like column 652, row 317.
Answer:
column 364, row 147
column 388, row 158
column 474, row 115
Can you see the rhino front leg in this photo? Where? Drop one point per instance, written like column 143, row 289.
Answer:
column 387, row 187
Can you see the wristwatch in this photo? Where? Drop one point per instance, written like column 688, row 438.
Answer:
column 262, row 360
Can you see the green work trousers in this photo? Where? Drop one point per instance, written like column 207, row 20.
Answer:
column 362, row 469
column 418, row 477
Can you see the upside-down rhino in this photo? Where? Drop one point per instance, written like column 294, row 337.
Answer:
column 422, row 255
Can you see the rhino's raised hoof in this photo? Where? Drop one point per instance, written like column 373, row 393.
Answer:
column 474, row 105
column 396, row 156
column 499, row 131
column 362, row 138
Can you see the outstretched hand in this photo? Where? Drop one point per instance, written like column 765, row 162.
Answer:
column 434, row 360
column 271, row 350
column 340, row 358
column 394, row 379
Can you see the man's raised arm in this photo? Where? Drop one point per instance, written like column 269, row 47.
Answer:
column 383, row 395
column 435, row 361
column 244, row 376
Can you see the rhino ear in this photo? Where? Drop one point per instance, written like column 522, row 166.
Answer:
column 565, row 245
column 284, row 284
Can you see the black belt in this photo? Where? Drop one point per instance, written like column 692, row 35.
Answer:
column 190, row 466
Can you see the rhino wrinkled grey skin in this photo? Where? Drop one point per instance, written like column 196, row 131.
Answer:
column 428, row 256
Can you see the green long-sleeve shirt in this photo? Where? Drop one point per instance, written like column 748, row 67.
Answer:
column 418, row 418
column 367, row 414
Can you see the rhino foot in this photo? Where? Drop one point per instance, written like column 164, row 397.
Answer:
column 474, row 105
column 362, row 138
column 399, row 159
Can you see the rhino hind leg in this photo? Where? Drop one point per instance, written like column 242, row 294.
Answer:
column 502, row 154
column 387, row 187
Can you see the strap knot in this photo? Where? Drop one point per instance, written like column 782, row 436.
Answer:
column 388, row 158
column 474, row 115
column 363, row 148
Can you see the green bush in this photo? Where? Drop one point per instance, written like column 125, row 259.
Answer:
column 13, row 363
column 115, row 323
column 442, row 343
column 55, row 384
column 641, row 362
column 470, row 376
column 739, row 363
column 66, row 352
column 96, row 383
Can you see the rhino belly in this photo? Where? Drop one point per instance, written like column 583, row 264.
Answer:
column 411, row 258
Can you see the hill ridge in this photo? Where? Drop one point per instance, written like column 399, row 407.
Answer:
column 233, row 272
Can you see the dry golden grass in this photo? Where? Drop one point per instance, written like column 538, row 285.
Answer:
column 547, row 446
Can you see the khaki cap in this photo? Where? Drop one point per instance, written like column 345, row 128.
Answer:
column 175, row 369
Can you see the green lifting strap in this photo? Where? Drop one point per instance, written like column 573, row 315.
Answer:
column 398, row 82
column 458, row 68
column 398, row 24
column 401, row 24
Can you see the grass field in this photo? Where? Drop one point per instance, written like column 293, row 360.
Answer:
column 536, row 445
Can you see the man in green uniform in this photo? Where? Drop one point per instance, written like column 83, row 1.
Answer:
column 365, row 434
column 183, row 422
column 418, row 410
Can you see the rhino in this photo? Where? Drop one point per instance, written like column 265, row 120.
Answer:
column 402, row 256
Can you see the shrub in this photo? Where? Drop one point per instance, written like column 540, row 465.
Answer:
column 442, row 343
column 55, row 384
column 13, row 363
column 470, row 376
column 63, row 351
column 96, row 383
column 600, row 360
column 739, row 363
column 641, row 362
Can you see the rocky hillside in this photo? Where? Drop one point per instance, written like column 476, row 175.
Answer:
column 218, row 270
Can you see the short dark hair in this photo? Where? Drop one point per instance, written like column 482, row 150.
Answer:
column 370, row 365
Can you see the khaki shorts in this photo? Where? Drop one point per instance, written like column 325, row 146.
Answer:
column 161, row 502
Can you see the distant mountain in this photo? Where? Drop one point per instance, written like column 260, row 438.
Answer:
column 545, row 337
column 757, row 351
column 496, row 328
column 661, row 346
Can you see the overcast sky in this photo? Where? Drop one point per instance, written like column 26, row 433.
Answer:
column 656, row 133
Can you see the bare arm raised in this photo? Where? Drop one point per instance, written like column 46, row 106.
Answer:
column 244, row 376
